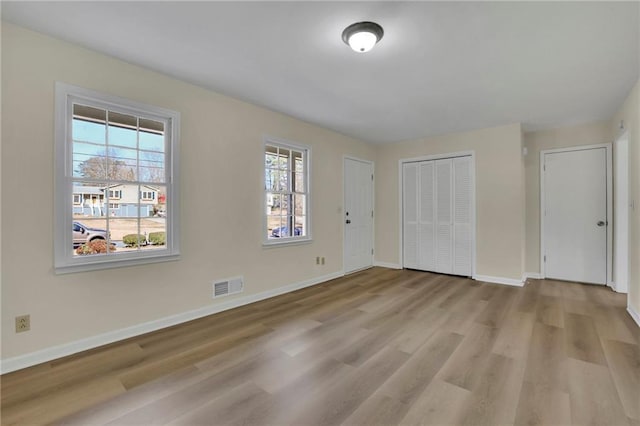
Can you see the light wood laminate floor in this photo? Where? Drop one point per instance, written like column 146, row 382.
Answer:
column 377, row 347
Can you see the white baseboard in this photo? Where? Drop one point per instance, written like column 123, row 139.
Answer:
column 634, row 314
column 499, row 280
column 23, row 361
column 387, row 265
column 618, row 289
column 532, row 275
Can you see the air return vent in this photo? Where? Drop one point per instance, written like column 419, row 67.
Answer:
column 227, row 287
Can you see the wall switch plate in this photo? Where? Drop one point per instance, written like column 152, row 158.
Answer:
column 23, row 323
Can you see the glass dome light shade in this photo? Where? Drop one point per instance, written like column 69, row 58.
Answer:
column 362, row 41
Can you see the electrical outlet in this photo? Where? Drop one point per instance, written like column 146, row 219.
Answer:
column 23, row 323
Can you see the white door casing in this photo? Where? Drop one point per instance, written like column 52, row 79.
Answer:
column 575, row 214
column 358, row 214
column 621, row 214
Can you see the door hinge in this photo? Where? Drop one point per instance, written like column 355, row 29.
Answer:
column 372, row 177
column 371, row 213
column 544, row 167
column 371, row 251
column 545, row 258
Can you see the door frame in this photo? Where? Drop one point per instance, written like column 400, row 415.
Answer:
column 609, row 219
column 344, row 204
column 618, row 247
column 401, row 164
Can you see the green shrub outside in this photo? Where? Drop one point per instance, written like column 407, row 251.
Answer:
column 158, row 238
column 133, row 240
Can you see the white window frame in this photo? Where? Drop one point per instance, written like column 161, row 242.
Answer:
column 79, row 197
column 64, row 260
column 275, row 242
column 115, row 194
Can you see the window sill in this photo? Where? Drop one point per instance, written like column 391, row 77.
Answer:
column 114, row 263
column 286, row 242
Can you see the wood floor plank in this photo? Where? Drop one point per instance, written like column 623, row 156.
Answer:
column 515, row 336
column 227, row 409
column 378, row 410
column 547, row 359
column 406, row 384
column 624, row 364
column 466, row 365
column 346, row 396
column 495, row 397
column 440, row 404
column 125, row 403
column 54, row 406
column 582, row 339
column 594, row 399
column 288, row 403
column 549, row 311
column 496, row 310
column 539, row 405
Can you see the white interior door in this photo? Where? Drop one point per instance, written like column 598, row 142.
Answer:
column 575, row 216
column 358, row 215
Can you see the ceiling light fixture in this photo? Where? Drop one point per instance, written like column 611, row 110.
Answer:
column 362, row 36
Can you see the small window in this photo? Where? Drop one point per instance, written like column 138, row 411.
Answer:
column 112, row 157
column 148, row 195
column 286, row 185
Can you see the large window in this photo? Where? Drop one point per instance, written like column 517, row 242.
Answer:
column 286, row 184
column 114, row 158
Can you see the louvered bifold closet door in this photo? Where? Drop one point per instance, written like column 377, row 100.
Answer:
column 462, row 216
column 426, row 215
column 410, row 215
column 444, row 219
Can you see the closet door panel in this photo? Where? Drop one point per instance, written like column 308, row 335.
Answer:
column 410, row 215
column 444, row 237
column 426, row 214
column 462, row 216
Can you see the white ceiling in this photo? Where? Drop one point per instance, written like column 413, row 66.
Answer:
column 440, row 68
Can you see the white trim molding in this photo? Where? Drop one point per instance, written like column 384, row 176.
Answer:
column 634, row 314
column 532, row 275
column 499, row 280
column 48, row 354
column 387, row 265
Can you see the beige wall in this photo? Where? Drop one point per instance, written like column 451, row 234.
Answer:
column 499, row 196
column 585, row 134
column 221, row 143
column 630, row 113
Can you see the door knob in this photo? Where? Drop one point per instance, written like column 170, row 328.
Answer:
column 601, row 223
column 348, row 221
